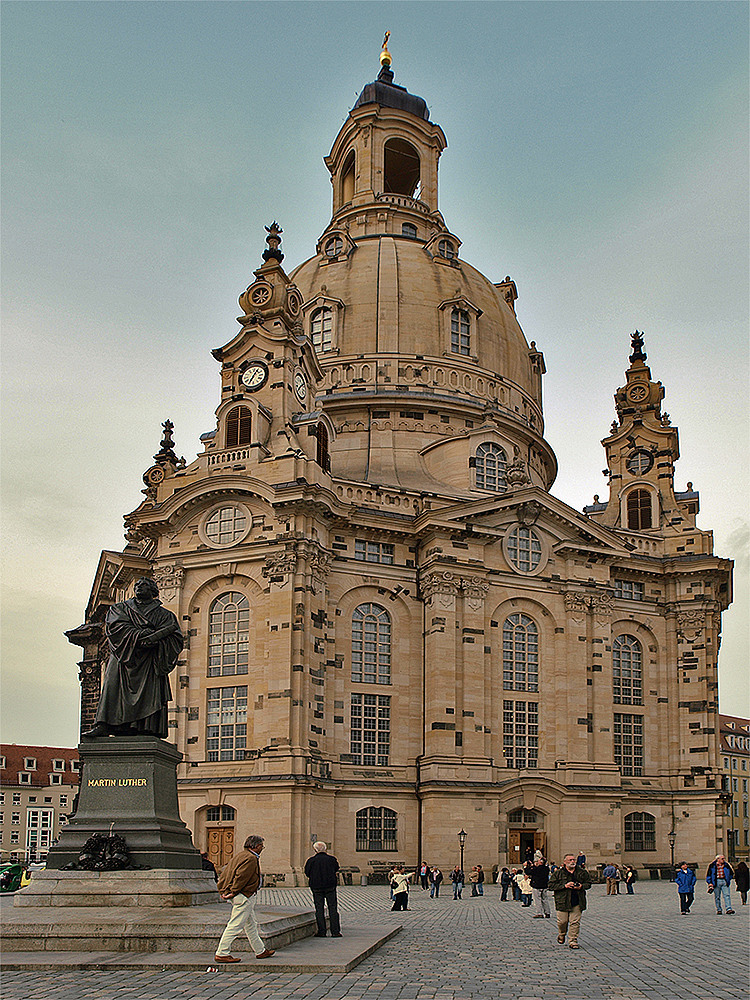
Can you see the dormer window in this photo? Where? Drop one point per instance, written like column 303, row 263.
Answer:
column 334, row 246
column 29, row 763
column 639, row 510
column 321, row 329
column 446, row 249
column 460, row 331
column 409, row 230
column 490, row 464
column 238, row 426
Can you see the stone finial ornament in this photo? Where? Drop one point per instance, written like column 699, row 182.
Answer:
column 166, row 449
column 637, row 344
column 274, row 243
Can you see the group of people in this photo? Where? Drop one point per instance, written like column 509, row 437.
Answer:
column 614, row 875
column 241, row 879
column 718, row 880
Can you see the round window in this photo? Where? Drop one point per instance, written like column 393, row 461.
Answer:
column 639, row 462
column 524, row 549
column 334, row 246
column 226, row 525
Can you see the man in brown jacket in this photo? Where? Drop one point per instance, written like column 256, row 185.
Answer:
column 238, row 883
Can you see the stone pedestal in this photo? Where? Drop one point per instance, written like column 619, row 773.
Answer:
column 155, row 888
column 129, row 787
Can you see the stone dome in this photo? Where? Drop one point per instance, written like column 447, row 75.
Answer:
column 395, row 294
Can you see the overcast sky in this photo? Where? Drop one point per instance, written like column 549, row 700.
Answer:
column 598, row 154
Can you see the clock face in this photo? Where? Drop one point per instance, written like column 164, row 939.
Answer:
column 261, row 294
column 254, row 376
column 639, row 462
column 637, row 393
column 300, row 386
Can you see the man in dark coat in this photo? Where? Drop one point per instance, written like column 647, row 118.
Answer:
column 321, row 870
column 145, row 641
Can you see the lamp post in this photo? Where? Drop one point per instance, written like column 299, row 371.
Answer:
column 672, row 837
column 462, row 842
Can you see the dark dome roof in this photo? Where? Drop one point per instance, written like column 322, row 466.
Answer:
column 386, row 93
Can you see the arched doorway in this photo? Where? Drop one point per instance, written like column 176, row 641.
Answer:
column 525, row 835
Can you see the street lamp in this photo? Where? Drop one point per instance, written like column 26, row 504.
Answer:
column 671, row 837
column 462, row 842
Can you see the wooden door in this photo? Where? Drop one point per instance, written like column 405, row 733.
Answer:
column 514, row 848
column 220, row 845
column 540, row 842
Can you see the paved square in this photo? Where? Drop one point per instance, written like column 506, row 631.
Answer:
column 632, row 948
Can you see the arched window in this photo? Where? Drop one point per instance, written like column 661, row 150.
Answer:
column 228, row 635
column 376, row 829
column 321, row 447
column 520, row 654
column 409, row 229
column 640, row 832
column 238, row 426
column 371, row 644
column 347, row 179
column 321, row 328
column 402, row 171
column 490, row 463
column 627, row 671
column 460, row 331
column 639, row 509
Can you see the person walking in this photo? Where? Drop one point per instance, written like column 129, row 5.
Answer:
column 505, row 884
column 742, row 880
column 239, row 883
column 436, row 877
column 569, row 884
column 685, row 879
column 719, row 877
column 457, row 878
column 539, row 880
column 400, row 886
column 321, row 871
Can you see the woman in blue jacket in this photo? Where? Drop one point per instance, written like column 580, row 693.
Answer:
column 685, row 879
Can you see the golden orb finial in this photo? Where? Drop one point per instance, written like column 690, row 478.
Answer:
column 385, row 56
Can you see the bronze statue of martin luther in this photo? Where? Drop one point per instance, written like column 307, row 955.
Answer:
column 145, row 641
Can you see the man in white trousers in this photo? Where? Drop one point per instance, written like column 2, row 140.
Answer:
column 239, row 883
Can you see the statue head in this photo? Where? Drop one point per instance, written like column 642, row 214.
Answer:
column 145, row 589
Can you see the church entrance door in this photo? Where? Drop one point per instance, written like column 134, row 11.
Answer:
column 220, row 845
column 523, row 843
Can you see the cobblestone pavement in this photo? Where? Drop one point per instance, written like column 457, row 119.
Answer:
column 632, row 948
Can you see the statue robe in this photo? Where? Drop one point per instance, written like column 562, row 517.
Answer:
column 136, row 689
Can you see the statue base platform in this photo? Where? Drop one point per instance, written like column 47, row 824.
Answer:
column 155, row 887
column 129, row 787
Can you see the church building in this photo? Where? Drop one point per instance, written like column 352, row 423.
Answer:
column 394, row 630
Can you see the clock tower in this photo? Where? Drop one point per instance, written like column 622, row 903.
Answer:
column 269, row 373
